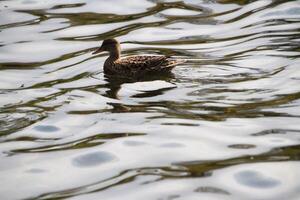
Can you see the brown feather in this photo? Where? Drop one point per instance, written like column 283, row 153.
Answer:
column 134, row 65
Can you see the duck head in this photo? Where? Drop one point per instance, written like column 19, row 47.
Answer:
column 110, row 45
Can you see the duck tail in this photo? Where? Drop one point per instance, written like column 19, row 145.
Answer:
column 173, row 63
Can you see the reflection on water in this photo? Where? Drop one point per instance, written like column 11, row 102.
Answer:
column 92, row 159
column 254, row 179
column 225, row 125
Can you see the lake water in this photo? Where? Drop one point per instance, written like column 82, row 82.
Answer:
column 224, row 126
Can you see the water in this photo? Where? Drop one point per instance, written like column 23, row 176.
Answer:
column 225, row 125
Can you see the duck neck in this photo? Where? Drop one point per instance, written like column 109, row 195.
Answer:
column 114, row 54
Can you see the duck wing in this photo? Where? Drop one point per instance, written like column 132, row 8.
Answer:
column 142, row 61
column 140, row 64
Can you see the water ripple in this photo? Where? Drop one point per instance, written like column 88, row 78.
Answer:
column 223, row 125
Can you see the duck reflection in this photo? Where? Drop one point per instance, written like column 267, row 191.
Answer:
column 114, row 83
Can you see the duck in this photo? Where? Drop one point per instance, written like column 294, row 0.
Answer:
column 136, row 65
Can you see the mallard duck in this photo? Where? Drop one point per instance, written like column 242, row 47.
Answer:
column 133, row 65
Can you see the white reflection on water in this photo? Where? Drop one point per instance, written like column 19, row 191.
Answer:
column 266, row 181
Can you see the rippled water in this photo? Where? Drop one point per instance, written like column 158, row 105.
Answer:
column 225, row 125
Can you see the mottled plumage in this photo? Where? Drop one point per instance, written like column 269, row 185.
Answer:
column 133, row 65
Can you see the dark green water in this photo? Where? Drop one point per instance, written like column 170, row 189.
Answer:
column 225, row 125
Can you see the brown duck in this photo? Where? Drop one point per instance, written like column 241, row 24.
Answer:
column 133, row 65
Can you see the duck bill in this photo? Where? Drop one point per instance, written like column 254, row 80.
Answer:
column 99, row 50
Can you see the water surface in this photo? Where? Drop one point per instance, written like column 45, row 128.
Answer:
column 225, row 125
